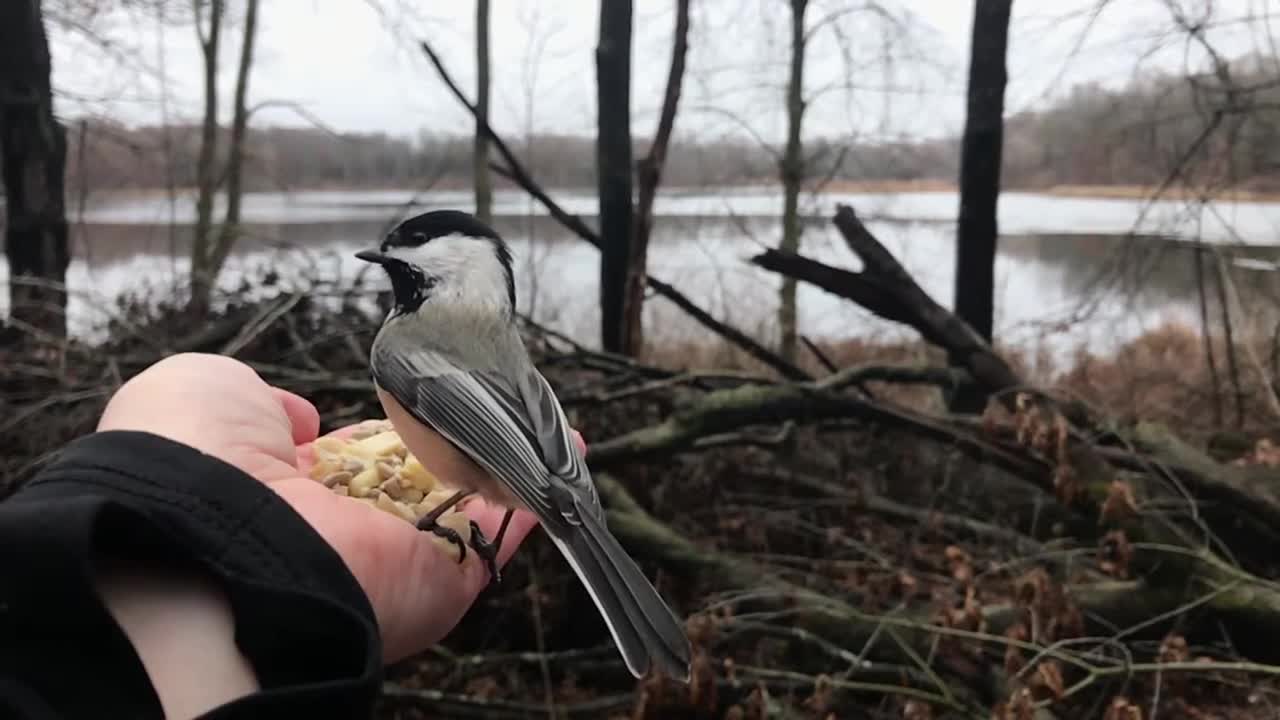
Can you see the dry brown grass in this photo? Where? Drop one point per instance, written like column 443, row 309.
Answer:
column 1164, row 376
column 922, row 185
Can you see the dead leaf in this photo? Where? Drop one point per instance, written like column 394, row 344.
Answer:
column 960, row 563
column 820, row 700
column 1019, row 707
column 1065, row 486
column 1173, row 649
column 1120, row 504
column 1049, row 677
column 916, row 710
column 1063, row 435
column 1013, row 659
column 1115, row 553
column 907, row 584
column 1264, row 452
column 1122, row 709
column 1032, row 587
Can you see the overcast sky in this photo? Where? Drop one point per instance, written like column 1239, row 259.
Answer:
column 355, row 67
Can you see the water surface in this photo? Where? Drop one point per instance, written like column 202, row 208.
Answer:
column 1071, row 272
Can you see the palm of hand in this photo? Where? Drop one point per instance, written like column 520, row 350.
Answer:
column 421, row 591
column 222, row 407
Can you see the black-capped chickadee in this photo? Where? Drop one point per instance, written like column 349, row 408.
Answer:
column 449, row 366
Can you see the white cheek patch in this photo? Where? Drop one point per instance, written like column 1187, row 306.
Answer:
column 467, row 271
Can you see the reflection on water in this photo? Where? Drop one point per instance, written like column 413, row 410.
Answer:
column 1110, row 286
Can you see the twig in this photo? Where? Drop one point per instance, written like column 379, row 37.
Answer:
column 689, row 378
column 817, row 353
column 457, row 705
column 1205, row 333
column 267, row 315
column 779, row 438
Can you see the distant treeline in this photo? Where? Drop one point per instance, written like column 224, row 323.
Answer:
column 1142, row 134
column 1135, row 136
column 112, row 156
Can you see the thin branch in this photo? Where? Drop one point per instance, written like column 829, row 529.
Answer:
column 885, row 288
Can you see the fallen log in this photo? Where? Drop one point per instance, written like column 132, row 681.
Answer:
column 1246, row 504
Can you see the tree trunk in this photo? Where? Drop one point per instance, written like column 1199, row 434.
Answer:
column 230, row 230
column 33, row 149
column 650, row 172
column 791, row 171
column 613, row 164
column 480, row 158
column 206, row 171
column 980, row 156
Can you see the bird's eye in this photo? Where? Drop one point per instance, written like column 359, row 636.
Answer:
column 419, row 238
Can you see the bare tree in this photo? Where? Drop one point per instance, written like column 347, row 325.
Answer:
column 33, row 152
column 650, row 171
column 206, row 171
column 235, row 158
column 980, row 155
column 791, row 167
column 480, row 163
column 613, row 165
column 206, row 260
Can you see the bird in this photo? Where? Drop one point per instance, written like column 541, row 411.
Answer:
column 450, row 369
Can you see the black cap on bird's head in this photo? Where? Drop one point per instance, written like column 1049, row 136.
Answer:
column 415, row 256
column 424, row 228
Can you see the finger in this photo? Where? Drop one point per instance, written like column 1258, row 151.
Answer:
column 579, row 442
column 304, row 419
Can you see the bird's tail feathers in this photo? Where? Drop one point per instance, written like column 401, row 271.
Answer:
column 639, row 620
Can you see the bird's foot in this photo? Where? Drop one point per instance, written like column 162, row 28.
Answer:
column 429, row 524
column 486, row 551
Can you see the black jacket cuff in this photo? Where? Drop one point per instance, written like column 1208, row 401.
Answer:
column 301, row 618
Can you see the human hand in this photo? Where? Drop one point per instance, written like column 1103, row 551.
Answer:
column 223, row 408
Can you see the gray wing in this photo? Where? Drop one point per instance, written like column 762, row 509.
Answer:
column 550, row 429
column 513, row 428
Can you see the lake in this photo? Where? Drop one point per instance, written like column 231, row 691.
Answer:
column 1071, row 272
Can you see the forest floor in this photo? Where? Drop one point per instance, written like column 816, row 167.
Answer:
column 944, row 586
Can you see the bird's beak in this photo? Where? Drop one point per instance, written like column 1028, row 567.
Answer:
column 373, row 256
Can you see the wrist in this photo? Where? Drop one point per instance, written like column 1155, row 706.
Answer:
column 181, row 627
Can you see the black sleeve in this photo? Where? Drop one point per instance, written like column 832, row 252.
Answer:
column 301, row 619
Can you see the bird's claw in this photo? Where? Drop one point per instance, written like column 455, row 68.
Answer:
column 428, row 524
column 486, row 551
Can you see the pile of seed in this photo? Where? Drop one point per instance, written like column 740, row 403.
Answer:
column 373, row 465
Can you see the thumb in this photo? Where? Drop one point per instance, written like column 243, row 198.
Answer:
column 304, row 419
